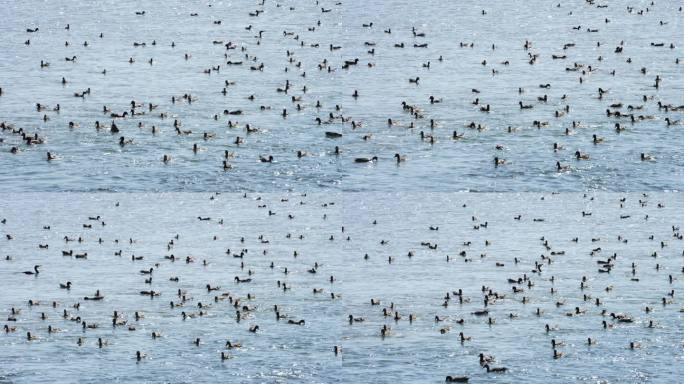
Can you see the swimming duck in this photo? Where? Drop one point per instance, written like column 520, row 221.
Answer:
column 231, row 345
column 365, row 159
column 495, row 369
column 457, row 379
column 485, row 359
column 34, row 272
column 581, row 156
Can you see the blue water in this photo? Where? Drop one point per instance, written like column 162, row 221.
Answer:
column 465, row 222
column 91, row 160
column 279, row 352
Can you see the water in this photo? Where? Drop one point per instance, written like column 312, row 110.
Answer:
column 91, row 160
column 279, row 352
column 326, row 213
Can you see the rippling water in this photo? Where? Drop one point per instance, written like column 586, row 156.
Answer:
column 404, row 233
column 279, row 352
column 91, row 160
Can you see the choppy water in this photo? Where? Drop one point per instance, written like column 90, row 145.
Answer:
column 279, row 352
column 372, row 226
column 91, row 160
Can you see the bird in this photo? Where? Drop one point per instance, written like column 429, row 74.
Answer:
column 34, row 272
column 495, row 369
column 365, row 159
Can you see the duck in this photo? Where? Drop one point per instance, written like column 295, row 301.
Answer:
column 365, row 159
column 457, row 379
column 485, row 359
column 562, row 168
column 647, row 157
column 34, row 272
column 231, row 345
column 265, row 159
column 123, row 142
column 495, row 369
column 581, row 156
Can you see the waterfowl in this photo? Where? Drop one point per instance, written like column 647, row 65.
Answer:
column 231, row 345
column 365, row 159
column 123, row 142
column 646, row 157
column 485, row 359
column 581, row 156
column 495, row 369
column 457, row 379
column 332, row 135
column 34, row 272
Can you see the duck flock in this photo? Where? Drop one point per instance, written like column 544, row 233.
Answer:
column 341, row 287
column 278, row 95
column 343, row 136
